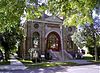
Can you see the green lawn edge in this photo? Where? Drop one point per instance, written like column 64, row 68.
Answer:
column 4, row 62
column 31, row 65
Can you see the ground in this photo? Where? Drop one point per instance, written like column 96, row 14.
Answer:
column 17, row 67
column 63, row 69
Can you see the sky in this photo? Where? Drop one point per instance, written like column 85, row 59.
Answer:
column 42, row 1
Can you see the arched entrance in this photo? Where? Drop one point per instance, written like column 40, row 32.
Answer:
column 53, row 41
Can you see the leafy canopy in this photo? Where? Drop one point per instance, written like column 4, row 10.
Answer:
column 10, row 13
column 34, row 9
column 85, row 35
column 76, row 12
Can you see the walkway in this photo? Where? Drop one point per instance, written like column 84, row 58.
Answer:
column 14, row 65
column 78, row 61
column 17, row 67
column 68, row 69
column 81, row 62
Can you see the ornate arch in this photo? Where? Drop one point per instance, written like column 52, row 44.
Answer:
column 53, row 41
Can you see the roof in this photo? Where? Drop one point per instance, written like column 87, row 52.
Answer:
column 53, row 19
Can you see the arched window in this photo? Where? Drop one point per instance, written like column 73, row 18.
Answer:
column 36, row 40
column 53, row 41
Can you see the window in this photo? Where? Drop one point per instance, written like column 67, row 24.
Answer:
column 36, row 40
column 53, row 41
column 36, row 25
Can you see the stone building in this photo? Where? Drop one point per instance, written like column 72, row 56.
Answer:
column 45, row 34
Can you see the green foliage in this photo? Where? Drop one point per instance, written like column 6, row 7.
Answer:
column 10, row 13
column 10, row 39
column 34, row 10
column 91, row 51
column 78, row 39
column 76, row 12
column 5, row 63
column 90, row 33
column 85, row 36
column 31, row 65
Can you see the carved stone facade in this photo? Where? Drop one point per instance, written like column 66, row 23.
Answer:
column 46, row 34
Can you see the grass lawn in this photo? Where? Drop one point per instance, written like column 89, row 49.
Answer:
column 32, row 65
column 91, row 59
column 5, row 63
column 88, row 58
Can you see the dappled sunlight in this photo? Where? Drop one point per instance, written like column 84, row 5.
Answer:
column 15, row 62
column 47, row 65
column 14, row 65
column 4, row 67
column 26, row 61
column 60, row 72
column 41, row 69
column 12, row 60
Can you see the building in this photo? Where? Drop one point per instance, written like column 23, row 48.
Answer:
column 45, row 34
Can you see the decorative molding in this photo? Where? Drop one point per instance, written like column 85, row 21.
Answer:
column 53, row 26
column 53, row 19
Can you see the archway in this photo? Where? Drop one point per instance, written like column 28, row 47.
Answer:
column 53, row 41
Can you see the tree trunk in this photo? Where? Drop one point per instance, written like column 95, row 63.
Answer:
column 6, row 55
column 94, row 40
column 95, row 49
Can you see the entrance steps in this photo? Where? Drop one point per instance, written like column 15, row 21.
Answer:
column 62, row 55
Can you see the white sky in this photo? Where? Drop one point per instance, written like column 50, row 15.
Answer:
column 42, row 1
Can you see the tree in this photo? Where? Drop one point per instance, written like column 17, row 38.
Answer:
column 88, row 35
column 10, row 14
column 11, row 40
column 34, row 9
column 79, row 39
column 76, row 12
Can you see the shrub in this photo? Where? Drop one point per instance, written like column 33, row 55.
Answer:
column 92, row 52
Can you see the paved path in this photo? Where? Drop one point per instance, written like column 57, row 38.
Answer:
column 61, row 69
column 68, row 69
column 17, row 67
column 79, row 61
column 14, row 65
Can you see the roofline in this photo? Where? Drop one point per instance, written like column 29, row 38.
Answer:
column 46, row 21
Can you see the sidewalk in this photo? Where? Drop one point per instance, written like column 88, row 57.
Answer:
column 80, row 62
column 14, row 65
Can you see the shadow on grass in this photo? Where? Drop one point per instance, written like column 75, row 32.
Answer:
column 5, row 63
column 88, row 58
column 32, row 65
column 91, row 59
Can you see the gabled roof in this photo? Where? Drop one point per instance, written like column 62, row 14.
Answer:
column 53, row 19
